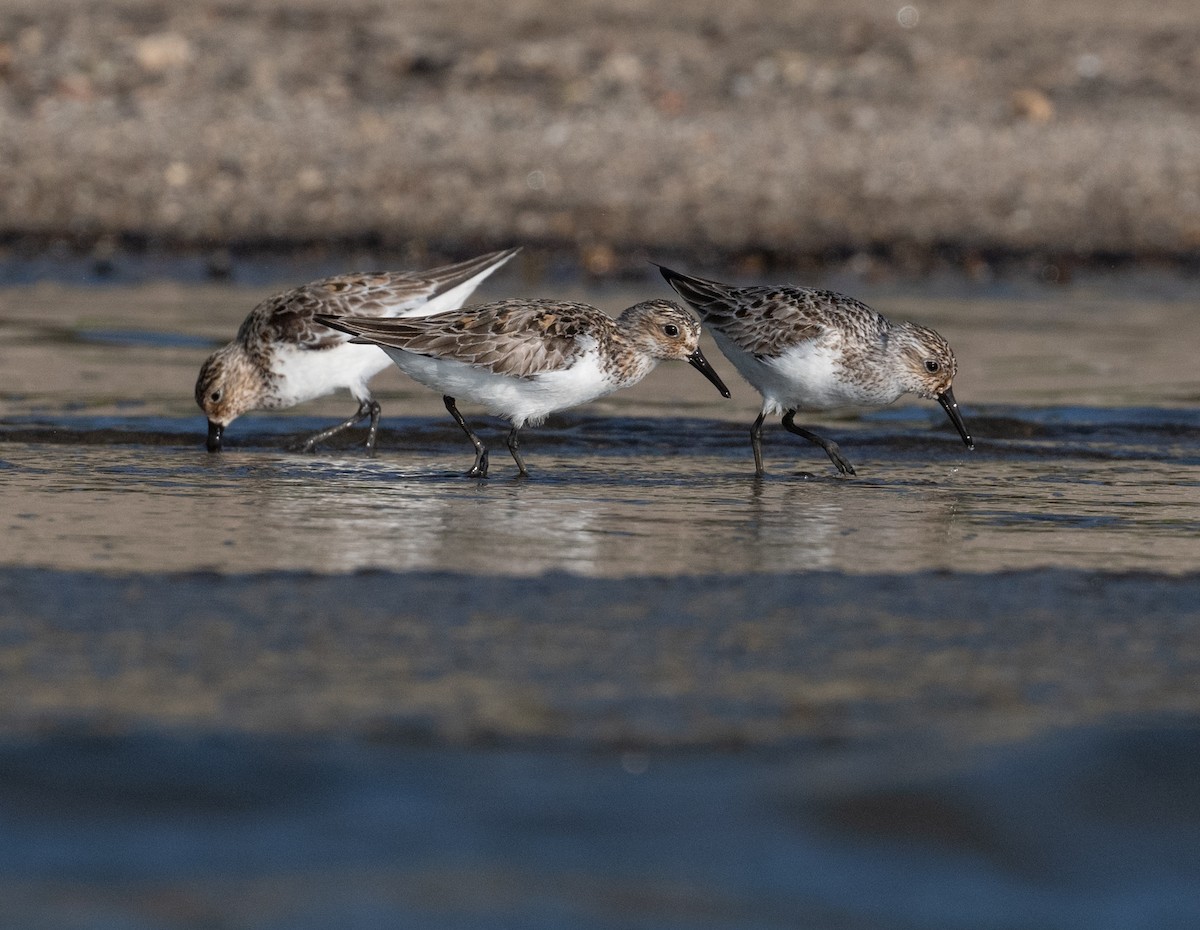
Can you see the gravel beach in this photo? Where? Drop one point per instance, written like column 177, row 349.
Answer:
column 765, row 132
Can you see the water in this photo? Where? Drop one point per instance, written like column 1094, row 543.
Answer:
column 642, row 688
column 597, row 510
column 1083, row 407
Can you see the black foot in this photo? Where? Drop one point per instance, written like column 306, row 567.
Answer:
column 366, row 408
column 830, row 447
column 480, row 468
column 842, row 465
column 514, row 448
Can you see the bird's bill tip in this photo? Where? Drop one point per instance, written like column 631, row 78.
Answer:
column 700, row 363
column 215, row 432
column 950, row 405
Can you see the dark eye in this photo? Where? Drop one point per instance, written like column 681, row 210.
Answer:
column 932, row 365
column 215, row 396
column 671, row 330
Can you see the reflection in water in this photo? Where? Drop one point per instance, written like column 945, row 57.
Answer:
column 839, row 525
column 172, row 509
column 800, row 527
column 435, row 523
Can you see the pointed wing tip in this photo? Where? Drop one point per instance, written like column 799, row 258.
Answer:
column 334, row 322
column 691, row 288
column 670, row 275
column 482, row 265
column 499, row 257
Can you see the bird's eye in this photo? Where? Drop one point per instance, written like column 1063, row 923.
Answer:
column 932, row 365
column 215, row 396
column 671, row 330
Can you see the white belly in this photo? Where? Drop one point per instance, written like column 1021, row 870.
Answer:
column 521, row 400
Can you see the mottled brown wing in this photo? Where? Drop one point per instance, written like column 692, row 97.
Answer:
column 520, row 338
column 386, row 293
column 767, row 320
column 289, row 317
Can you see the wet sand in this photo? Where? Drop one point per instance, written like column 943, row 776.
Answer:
column 708, row 662
column 931, row 750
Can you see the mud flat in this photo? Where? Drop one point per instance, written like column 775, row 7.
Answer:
column 434, row 749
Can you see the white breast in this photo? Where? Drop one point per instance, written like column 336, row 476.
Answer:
column 305, row 374
column 807, row 376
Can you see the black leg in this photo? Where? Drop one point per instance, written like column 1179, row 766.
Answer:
column 830, row 447
column 756, row 443
column 516, row 454
column 366, row 408
column 373, row 432
column 480, row 468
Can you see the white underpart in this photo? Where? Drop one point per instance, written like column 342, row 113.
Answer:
column 521, row 400
column 308, row 373
column 806, row 376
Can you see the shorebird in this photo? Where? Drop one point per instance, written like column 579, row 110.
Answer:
column 282, row 357
column 526, row 359
column 806, row 349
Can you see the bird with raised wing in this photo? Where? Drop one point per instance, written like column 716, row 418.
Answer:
column 282, row 356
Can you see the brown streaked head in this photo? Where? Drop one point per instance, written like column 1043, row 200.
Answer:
column 929, row 370
column 664, row 330
column 225, row 389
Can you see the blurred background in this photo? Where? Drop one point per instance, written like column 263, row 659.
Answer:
column 944, row 132
column 271, row 691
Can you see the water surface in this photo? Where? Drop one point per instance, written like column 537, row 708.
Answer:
column 642, row 688
column 1083, row 407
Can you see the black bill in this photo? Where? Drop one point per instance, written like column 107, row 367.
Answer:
column 215, row 430
column 700, row 363
column 950, row 405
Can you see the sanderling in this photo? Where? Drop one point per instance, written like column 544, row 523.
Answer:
column 814, row 350
column 282, row 357
column 526, row 359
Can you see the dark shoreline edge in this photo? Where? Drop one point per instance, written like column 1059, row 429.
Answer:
column 900, row 593
column 708, row 662
column 129, row 256
column 1094, row 593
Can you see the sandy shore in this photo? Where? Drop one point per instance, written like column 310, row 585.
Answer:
column 774, row 131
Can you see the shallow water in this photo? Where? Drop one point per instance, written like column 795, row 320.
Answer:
column 1083, row 407
column 639, row 689
column 597, row 508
